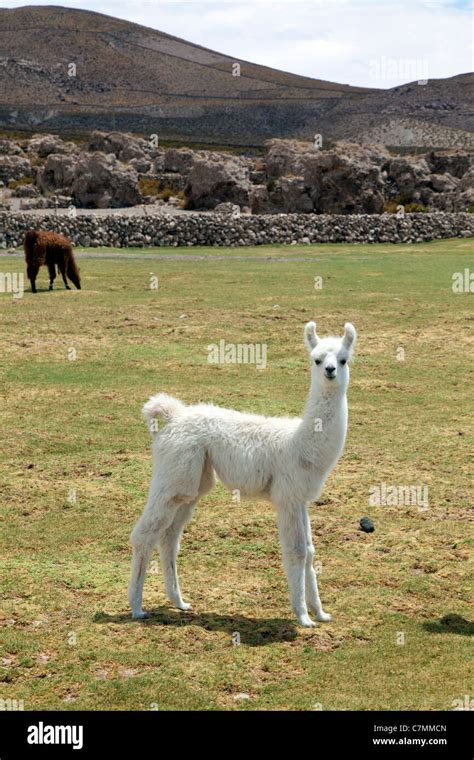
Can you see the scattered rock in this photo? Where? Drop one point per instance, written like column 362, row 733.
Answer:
column 44, row 145
column 123, row 145
column 14, row 167
column 94, row 180
column 367, row 525
column 178, row 160
column 444, row 183
column 454, row 162
column 212, row 180
column 227, row 209
column 408, row 177
column 57, row 172
column 9, row 148
column 26, row 191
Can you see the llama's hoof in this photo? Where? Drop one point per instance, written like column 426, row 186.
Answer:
column 306, row 621
column 185, row 606
column 67, row 287
column 50, row 287
column 323, row 617
column 140, row 615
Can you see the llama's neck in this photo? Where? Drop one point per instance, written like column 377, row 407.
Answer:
column 321, row 435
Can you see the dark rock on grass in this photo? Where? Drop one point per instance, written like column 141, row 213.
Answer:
column 367, row 525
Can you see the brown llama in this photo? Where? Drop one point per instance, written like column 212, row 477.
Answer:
column 51, row 249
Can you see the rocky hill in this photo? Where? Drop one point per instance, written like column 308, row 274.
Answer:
column 70, row 70
column 116, row 170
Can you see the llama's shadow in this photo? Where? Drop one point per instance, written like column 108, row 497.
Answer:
column 241, row 630
column 450, row 624
column 42, row 290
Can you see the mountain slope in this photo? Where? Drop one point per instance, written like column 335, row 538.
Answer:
column 130, row 77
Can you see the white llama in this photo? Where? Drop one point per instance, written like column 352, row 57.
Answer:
column 285, row 460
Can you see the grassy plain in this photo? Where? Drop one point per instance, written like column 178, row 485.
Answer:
column 75, row 464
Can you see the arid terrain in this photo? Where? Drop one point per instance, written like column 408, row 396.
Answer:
column 73, row 70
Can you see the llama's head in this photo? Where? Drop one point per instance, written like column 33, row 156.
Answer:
column 330, row 356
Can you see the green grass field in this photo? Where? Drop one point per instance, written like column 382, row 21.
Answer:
column 76, row 466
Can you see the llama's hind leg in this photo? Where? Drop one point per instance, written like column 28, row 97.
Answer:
column 62, row 269
column 311, row 579
column 170, row 539
column 52, row 274
column 294, row 548
column 168, row 546
column 144, row 538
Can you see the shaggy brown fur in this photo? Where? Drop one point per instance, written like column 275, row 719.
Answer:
column 50, row 248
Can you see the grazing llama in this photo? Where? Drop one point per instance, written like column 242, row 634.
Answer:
column 285, row 460
column 51, row 249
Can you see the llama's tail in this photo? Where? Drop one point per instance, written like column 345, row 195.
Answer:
column 164, row 406
column 72, row 270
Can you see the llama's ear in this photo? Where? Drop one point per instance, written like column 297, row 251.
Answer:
column 310, row 338
column 350, row 335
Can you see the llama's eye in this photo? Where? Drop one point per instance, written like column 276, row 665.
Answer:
column 343, row 361
column 317, row 361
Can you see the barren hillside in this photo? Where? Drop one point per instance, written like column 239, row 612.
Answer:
column 63, row 69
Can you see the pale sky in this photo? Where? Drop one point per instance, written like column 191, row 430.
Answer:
column 374, row 43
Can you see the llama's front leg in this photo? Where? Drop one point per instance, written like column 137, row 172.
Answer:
column 311, row 579
column 168, row 546
column 294, row 549
column 32, row 272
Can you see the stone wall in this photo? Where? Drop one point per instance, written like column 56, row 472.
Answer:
column 220, row 230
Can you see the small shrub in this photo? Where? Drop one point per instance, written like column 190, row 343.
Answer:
column 148, row 186
column 187, row 203
column 26, row 180
column 391, row 207
column 36, row 160
column 415, row 208
column 166, row 193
